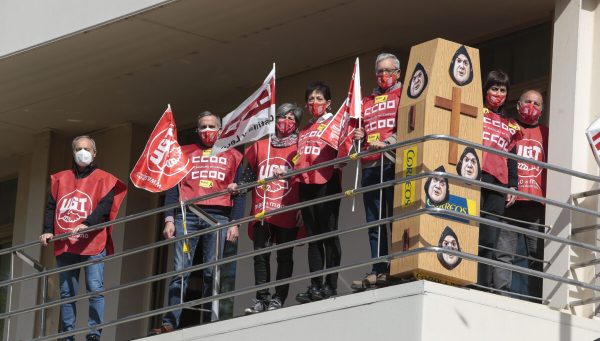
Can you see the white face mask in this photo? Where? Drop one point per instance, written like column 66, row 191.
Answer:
column 83, row 158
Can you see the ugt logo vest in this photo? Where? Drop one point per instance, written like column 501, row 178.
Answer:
column 530, row 149
column 72, row 209
column 275, row 189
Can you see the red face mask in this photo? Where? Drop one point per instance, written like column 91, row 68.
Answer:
column 385, row 81
column 495, row 101
column 208, row 137
column 285, row 127
column 316, row 109
column 529, row 113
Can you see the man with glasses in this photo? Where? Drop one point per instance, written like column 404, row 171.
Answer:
column 210, row 174
column 79, row 198
column 378, row 130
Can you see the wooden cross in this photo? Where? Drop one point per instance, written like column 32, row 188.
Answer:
column 457, row 108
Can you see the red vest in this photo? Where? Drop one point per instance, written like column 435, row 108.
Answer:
column 312, row 150
column 75, row 200
column 379, row 119
column 209, row 174
column 533, row 144
column 499, row 133
column 280, row 193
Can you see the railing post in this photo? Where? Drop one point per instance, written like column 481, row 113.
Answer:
column 43, row 313
column 216, row 278
column 10, row 292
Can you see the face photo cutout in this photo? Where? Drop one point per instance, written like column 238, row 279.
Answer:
column 461, row 69
column 437, row 190
column 468, row 164
column 449, row 240
column 418, row 81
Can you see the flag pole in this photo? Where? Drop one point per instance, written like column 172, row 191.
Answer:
column 185, row 247
column 380, row 206
column 272, row 115
column 357, row 81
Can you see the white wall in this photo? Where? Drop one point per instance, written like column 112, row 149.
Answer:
column 573, row 105
column 414, row 311
column 27, row 23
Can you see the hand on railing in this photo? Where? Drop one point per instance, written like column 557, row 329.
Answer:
column 45, row 237
column 233, row 188
column 169, row 230
column 278, row 171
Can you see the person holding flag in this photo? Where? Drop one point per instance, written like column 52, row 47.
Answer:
column 379, row 130
column 209, row 174
column 79, row 198
column 265, row 156
column 322, row 217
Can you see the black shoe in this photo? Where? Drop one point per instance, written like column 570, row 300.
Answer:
column 312, row 294
column 328, row 291
column 275, row 304
column 258, row 306
column 92, row 337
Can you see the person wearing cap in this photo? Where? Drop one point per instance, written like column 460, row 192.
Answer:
column 280, row 228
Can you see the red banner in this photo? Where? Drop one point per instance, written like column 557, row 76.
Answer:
column 162, row 164
column 339, row 130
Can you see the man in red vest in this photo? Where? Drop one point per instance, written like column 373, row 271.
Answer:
column 210, row 174
column 378, row 130
column 532, row 144
column 81, row 197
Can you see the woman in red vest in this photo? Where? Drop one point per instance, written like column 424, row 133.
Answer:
column 323, row 217
column 281, row 228
column 501, row 133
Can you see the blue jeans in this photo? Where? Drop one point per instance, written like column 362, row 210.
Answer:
column 183, row 261
column 371, row 176
column 69, row 287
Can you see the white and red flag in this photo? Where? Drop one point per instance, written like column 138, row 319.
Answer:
column 251, row 120
column 162, row 164
column 593, row 135
column 340, row 129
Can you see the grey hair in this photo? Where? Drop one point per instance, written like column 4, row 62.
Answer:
column 384, row 56
column 208, row 113
column 285, row 108
column 83, row 137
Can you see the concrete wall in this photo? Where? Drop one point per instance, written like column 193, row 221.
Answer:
column 413, row 311
column 573, row 105
column 27, row 23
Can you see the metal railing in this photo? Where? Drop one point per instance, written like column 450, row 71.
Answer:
column 44, row 273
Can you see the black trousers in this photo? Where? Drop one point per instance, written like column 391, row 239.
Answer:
column 266, row 234
column 495, row 238
column 321, row 218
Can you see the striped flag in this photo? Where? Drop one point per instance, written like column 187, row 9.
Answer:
column 593, row 136
column 251, row 120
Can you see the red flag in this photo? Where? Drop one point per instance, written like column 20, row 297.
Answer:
column 340, row 129
column 162, row 164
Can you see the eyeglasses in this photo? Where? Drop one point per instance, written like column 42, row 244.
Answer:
column 386, row 71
